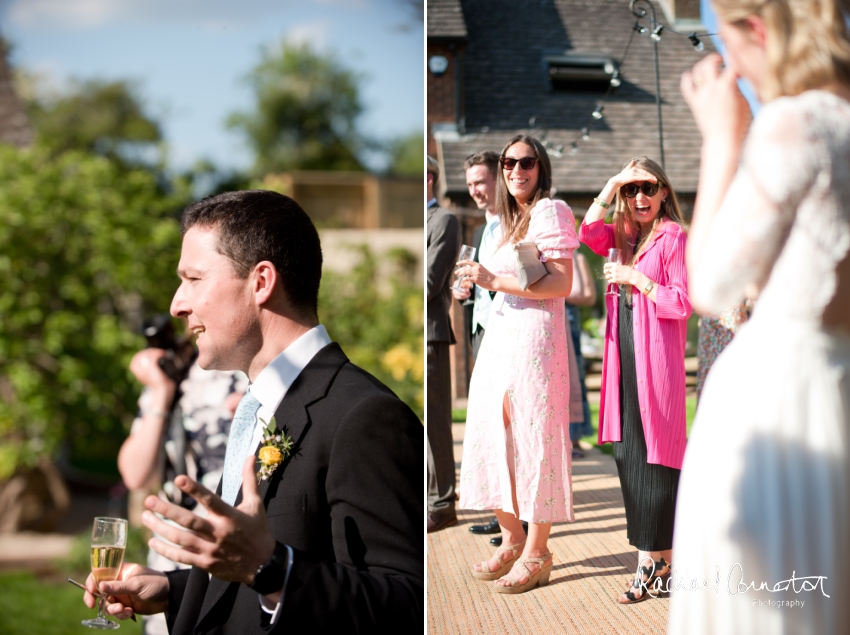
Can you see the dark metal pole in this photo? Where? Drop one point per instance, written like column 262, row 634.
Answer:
column 641, row 13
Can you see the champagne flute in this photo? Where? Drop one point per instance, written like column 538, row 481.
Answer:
column 615, row 256
column 466, row 253
column 108, row 541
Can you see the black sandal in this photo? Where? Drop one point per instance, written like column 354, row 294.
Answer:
column 654, row 584
column 660, row 585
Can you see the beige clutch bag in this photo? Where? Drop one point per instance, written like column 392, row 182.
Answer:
column 529, row 269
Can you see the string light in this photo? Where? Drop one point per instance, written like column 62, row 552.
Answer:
column 698, row 46
column 616, row 78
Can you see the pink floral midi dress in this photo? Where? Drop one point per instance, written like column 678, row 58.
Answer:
column 523, row 354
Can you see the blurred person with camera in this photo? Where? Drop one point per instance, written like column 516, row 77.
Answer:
column 181, row 428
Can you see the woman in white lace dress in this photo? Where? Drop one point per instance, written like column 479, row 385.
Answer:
column 762, row 535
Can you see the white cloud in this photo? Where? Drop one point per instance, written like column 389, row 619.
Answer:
column 316, row 33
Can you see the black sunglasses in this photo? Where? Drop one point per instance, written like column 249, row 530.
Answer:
column 630, row 190
column 526, row 163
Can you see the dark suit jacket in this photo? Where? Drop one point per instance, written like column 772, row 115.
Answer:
column 349, row 500
column 443, row 249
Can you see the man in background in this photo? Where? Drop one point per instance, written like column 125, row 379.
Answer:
column 481, row 181
column 443, row 248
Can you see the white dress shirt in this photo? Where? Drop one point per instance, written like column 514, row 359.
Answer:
column 270, row 388
column 489, row 241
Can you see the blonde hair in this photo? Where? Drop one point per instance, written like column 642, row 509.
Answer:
column 626, row 228
column 808, row 45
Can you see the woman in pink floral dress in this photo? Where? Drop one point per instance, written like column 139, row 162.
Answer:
column 516, row 455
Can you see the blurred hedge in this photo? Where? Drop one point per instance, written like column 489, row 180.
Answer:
column 377, row 316
column 85, row 249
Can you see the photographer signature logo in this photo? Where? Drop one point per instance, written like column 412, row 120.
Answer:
column 736, row 585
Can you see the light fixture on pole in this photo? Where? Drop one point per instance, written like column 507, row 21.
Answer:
column 656, row 30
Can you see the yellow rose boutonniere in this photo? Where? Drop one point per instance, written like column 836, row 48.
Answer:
column 276, row 447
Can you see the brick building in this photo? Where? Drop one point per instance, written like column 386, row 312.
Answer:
column 497, row 68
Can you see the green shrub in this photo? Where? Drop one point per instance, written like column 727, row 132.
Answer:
column 84, row 250
column 378, row 320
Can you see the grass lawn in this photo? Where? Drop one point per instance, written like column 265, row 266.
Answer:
column 459, row 416
column 48, row 604
column 29, row 606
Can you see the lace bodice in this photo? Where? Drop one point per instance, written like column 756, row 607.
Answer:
column 784, row 225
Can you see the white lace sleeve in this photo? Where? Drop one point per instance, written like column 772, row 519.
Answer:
column 747, row 235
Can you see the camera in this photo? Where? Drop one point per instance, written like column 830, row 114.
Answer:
column 179, row 352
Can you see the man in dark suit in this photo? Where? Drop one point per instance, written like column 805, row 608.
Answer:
column 443, row 247
column 331, row 540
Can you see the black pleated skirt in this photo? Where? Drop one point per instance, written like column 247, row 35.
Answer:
column 649, row 490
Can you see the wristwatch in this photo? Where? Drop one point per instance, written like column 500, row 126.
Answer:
column 271, row 575
column 648, row 287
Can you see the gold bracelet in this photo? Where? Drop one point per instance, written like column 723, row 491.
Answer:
column 601, row 203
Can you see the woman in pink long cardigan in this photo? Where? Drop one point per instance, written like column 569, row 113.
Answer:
column 642, row 410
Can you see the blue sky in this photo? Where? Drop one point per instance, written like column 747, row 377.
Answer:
column 189, row 58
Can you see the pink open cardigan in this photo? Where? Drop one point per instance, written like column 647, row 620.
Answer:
column 660, row 329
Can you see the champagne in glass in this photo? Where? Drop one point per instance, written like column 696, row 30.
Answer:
column 614, row 256
column 466, row 253
column 106, row 562
column 108, row 541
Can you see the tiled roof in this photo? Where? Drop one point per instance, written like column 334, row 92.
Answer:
column 445, row 19
column 505, row 85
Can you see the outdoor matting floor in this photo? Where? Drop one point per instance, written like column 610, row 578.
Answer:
column 592, row 562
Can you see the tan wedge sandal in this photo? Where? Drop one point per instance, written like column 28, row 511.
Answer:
column 541, row 578
column 504, row 565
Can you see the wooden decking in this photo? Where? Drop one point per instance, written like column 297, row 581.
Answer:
column 592, row 563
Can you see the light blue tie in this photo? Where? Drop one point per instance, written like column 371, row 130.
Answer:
column 241, row 433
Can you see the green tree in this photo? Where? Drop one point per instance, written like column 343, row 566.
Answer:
column 86, row 248
column 407, row 155
column 378, row 320
column 104, row 117
column 307, row 104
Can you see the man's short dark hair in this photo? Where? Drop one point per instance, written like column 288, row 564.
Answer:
column 487, row 158
column 258, row 225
